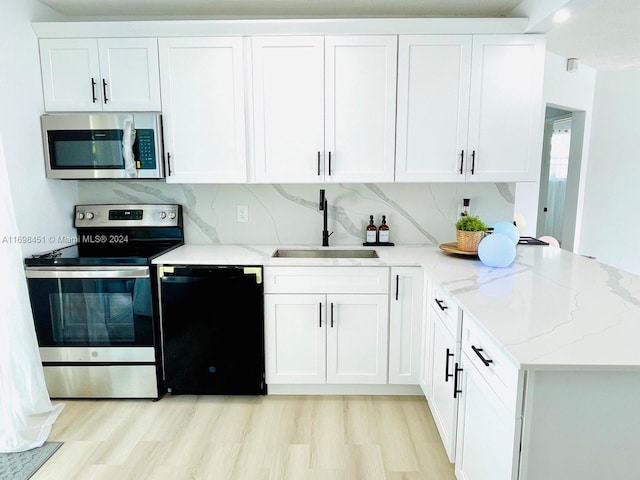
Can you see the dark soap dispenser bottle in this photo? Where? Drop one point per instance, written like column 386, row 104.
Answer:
column 383, row 231
column 372, row 231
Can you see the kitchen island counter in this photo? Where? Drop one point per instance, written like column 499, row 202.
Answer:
column 550, row 309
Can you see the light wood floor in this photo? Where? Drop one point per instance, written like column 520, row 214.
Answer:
column 253, row 438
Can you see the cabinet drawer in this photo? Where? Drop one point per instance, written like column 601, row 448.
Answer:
column 326, row 280
column 447, row 309
column 491, row 361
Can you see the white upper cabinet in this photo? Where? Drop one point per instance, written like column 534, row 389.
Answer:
column 324, row 108
column 110, row 74
column 434, row 72
column 506, row 111
column 288, row 112
column 203, row 109
column 469, row 107
column 360, row 105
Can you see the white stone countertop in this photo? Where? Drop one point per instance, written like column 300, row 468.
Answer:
column 550, row 309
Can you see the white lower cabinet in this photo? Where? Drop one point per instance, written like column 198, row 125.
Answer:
column 444, row 398
column 474, row 394
column 445, row 357
column 405, row 324
column 316, row 336
column 486, row 443
column 489, row 412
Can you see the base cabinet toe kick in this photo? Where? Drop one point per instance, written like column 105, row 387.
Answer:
column 514, row 423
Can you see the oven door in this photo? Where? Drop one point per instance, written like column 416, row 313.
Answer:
column 95, row 327
column 92, row 306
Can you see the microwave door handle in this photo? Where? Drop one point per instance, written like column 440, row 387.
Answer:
column 128, row 139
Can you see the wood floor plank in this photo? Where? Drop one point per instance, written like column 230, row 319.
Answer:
column 255, row 438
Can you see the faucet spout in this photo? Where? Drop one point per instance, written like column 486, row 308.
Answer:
column 324, row 206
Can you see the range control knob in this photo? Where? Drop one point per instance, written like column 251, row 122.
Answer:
column 163, row 215
column 172, row 215
column 88, row 215
column 80, row 215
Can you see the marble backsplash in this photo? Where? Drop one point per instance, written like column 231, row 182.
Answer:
column 417, row 214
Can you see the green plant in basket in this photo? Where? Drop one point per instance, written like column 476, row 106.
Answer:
column 469, row 233
column 471, row 224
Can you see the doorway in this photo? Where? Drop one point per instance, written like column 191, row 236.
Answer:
column 559, row 175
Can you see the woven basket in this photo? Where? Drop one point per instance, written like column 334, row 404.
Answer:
column 468, row 241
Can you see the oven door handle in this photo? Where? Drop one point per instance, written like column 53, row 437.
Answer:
column 87, row 272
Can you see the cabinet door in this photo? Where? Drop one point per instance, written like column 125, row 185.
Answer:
column 203, row 104
column 506, row 109
column 434, row 72
column 357, row 339
column 295, row 338
column 360, row 89
column 485, row 444
column 288, row 108
column 405, row 324
column 443, row 404
column 70, row 75
column 129, row 74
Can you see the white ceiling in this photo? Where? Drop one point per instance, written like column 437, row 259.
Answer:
column 603, row 34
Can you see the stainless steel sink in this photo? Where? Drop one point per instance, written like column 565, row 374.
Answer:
column 324, row 253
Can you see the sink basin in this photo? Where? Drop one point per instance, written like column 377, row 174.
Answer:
column 302, row 253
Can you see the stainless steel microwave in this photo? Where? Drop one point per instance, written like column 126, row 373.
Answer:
column 103, row 145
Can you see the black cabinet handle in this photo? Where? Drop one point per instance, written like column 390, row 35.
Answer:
column 447, row 375
column 441, row 304
column 329, row 163
column 93, row 90
column 169, row 162
column 320, row 314
column 397, row 286
column 456, row 390
column 331, row 314
column 318, row 163
column 461, row 161
column 104, row 90
column 486, row 361
column 473, row 162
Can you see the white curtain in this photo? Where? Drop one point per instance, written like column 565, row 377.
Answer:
column 558, row 170
column 26, row 412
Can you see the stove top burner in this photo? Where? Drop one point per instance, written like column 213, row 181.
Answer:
column 118, row 235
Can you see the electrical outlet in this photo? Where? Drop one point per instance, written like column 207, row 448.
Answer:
column 242, row 213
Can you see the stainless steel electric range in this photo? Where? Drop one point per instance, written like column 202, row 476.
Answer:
column 94, row 303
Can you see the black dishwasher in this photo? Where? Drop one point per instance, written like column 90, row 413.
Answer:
column 212, row 320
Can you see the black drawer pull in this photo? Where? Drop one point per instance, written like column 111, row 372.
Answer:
column 441, row 304
column 397, row 285
column 331, row 314
column 320, row 314
column 447, row 375
column 486, row 361
column 93, row 89
column 461, row 161
column 456, row 390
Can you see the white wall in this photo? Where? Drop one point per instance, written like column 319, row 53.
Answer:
column 43, row 207
column 571, row 91
column 610, row 230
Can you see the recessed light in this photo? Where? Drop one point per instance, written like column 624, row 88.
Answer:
column 561, row 15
